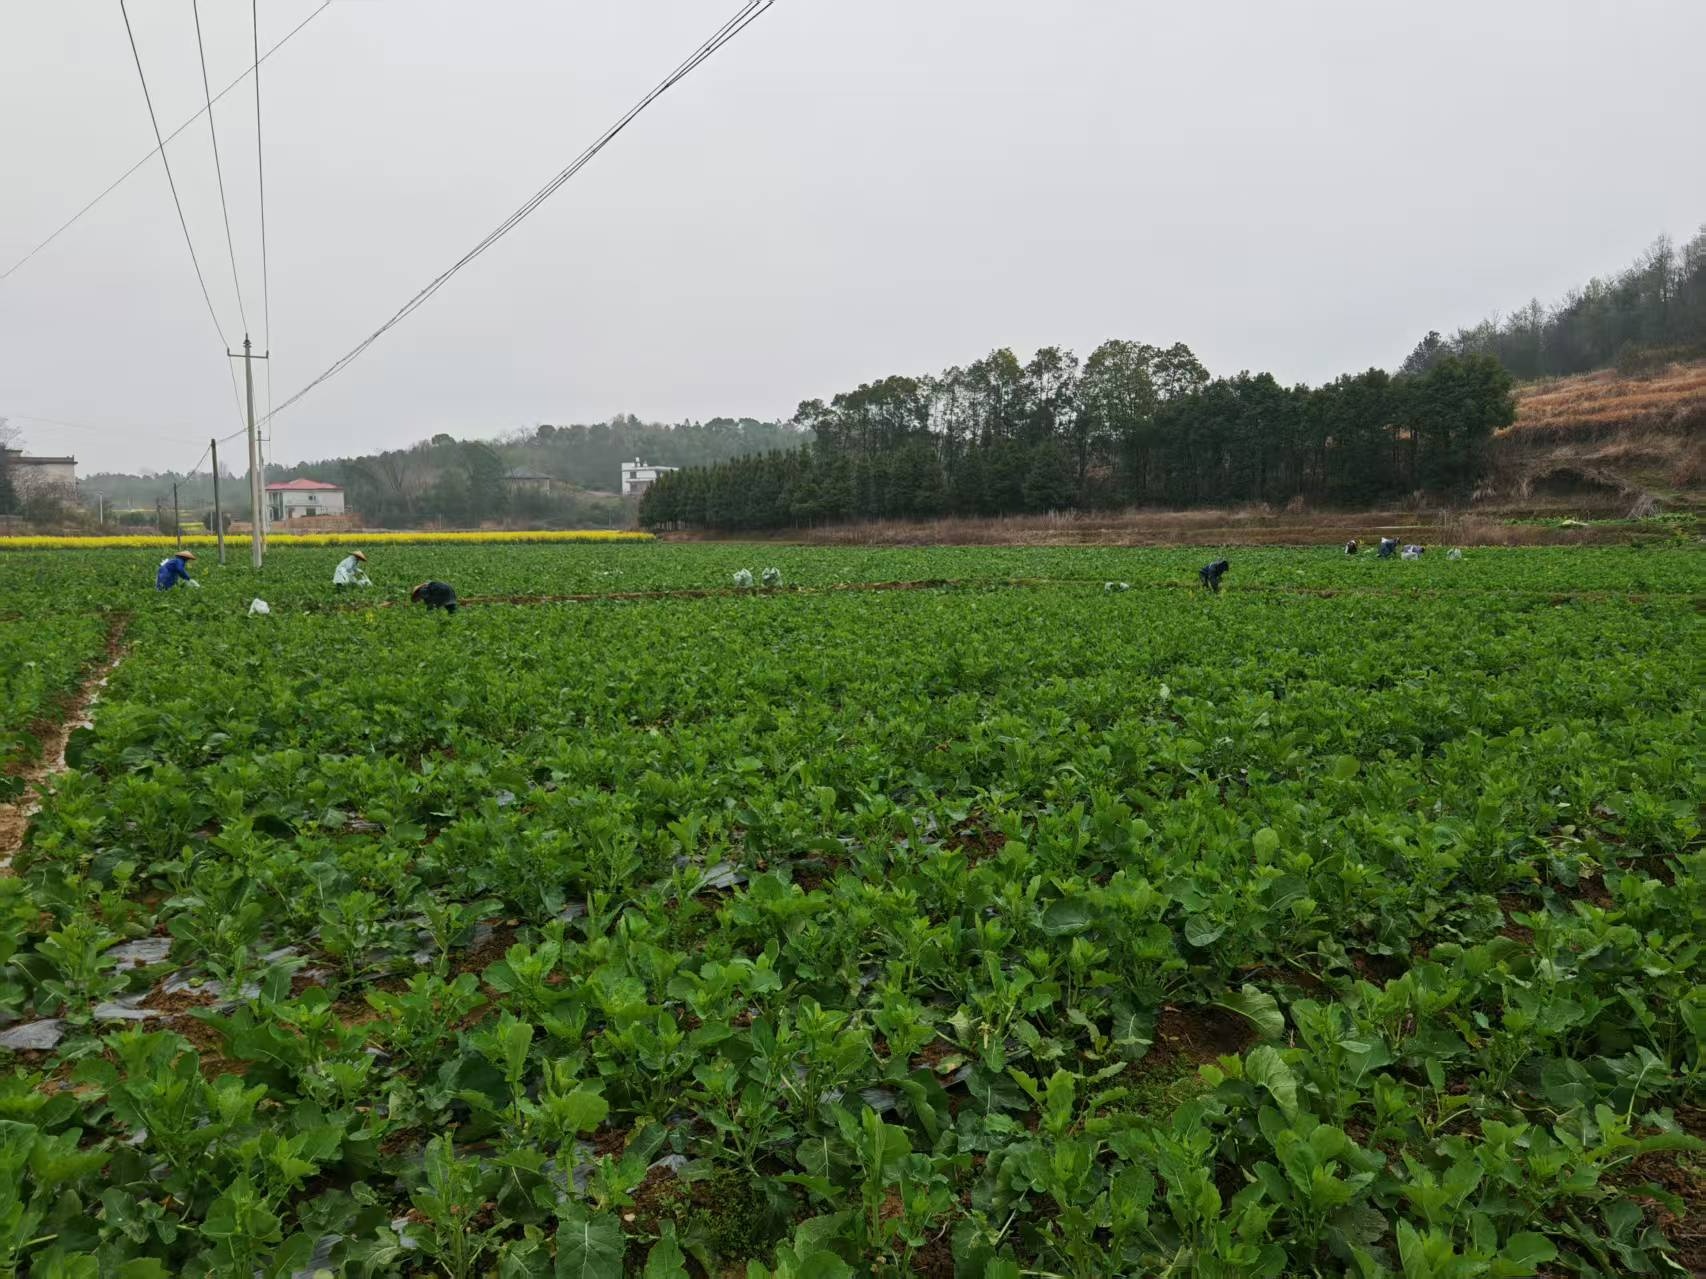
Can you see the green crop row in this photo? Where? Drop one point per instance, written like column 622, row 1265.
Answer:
column 1348, row 922
column 53, row 581
column 41, row 660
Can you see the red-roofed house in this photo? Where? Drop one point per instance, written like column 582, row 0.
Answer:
column 294, row 499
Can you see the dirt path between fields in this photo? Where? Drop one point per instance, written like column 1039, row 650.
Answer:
column 1394, row 590
column 73, row 713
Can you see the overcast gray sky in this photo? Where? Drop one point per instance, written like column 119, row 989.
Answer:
column 853, row 188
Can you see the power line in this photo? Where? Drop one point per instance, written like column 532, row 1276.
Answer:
column 261, row 179
column 188, row 243
column 119, row 181
column 219, row 169
column 749, row 13
column 160, row 147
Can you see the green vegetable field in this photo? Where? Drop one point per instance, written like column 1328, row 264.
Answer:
column 992, row 923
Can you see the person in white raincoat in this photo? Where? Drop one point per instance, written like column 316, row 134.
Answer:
column 349, row 571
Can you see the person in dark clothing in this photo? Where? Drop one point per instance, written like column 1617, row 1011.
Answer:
column 1351, row 547
column 435, row 595
column 1388, row 547
column 1212, row 573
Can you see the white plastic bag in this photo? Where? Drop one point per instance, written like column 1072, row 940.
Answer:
column 258, row 608
column 743, row 579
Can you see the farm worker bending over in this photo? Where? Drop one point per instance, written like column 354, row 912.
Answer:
column 349, row 571
column 434, row 595
column 1388, row 547
column 1211, row 574
column 1351, row 547
column 172, row 571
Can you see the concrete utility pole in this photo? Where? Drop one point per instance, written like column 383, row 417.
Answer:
column 177, row 523
column 257, row 477
column 218, row 515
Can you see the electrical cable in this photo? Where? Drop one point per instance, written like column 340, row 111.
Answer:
column 745, row 17
column 219, row 169
column 261, row 179
column 170, row 181
column 119, row 181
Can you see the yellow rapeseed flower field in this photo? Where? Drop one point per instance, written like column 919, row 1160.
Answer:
column 155, row 540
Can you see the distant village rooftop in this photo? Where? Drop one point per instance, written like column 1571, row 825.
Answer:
column 304, row 486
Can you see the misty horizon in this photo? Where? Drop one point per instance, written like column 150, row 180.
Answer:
column 838, row 196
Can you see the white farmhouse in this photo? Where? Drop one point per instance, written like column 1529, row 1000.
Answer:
column 637, row 477
column 295, row 499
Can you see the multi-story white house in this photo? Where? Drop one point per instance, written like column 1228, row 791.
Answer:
column 637, row 477
column 295, row 499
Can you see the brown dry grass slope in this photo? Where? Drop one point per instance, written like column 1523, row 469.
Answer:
column 1608, row 437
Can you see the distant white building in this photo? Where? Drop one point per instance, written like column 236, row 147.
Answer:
column 295, row 499
column 637, row 477
column 39, row 474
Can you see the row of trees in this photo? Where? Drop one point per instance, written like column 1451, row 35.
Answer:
column 558, row 475
column 458, row 483
column 563, row 476
column 1132, row 425
column 589, row 455
column 1658, row 303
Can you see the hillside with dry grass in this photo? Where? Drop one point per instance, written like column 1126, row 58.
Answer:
column 1606, row 439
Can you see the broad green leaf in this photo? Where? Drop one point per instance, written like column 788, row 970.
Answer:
column 1260, row 1007
column 1265, row 1068
column 666, row 1260
column 1525, row 1252
column 589, row 1245
column 1065, row 916
column 1202, row 931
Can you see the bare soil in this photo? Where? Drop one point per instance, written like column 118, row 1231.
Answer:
column 1482, row 525
column 1187, row 1037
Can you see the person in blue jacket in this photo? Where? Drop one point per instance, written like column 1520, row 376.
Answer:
column 173, row 570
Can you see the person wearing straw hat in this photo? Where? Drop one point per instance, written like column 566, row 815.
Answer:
column 174, row 569
column 349, row 571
